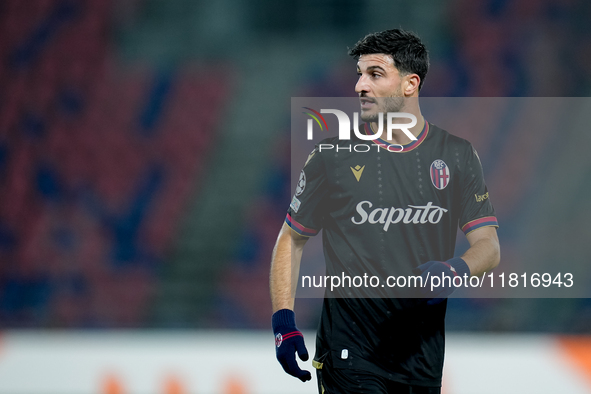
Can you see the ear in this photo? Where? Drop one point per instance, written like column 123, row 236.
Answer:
column 410, row 85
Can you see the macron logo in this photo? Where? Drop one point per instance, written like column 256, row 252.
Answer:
column 357, row 171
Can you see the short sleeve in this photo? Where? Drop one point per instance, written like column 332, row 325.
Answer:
column 476, row 210
column 304, row 215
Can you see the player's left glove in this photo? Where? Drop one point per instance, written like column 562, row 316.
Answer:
column 288, row 341
column 446, row 271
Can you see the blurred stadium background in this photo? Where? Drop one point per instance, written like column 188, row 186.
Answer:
column 145, row 173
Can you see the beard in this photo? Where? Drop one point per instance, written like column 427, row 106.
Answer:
column 385, row 105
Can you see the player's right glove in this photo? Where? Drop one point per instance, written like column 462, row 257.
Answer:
column 288, row 341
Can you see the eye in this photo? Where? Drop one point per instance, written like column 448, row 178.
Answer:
column 375, row 75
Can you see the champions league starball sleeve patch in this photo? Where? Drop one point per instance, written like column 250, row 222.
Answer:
column 304, row 214
column 301, row 184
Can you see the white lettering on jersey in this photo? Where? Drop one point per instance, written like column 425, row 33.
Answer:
column 414, row 214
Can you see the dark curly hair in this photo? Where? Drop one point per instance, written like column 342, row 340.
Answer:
column 409, row 53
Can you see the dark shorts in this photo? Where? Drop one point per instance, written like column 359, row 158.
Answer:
column 346, row 381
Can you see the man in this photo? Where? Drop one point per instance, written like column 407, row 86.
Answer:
column 392, row 210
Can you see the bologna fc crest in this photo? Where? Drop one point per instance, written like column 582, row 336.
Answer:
column 278, row 339
column 439, row 174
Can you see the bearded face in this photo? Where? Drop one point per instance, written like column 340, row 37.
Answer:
column 382, row 105
column 380, row 86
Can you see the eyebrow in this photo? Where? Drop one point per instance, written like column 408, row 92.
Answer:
column 372, row 68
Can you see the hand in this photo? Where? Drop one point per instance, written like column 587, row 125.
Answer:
column 441, row 269
column 288, row 341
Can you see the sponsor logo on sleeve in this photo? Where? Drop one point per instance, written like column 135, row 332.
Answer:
column 481, row 197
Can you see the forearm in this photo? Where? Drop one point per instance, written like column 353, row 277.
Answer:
column 285, row 267
column 483, row 255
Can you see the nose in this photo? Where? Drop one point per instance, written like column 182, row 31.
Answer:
column 361, row 85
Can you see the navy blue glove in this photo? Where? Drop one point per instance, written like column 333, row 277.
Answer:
column 441, row 269
column 288, row 341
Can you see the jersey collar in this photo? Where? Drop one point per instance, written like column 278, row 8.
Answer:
column 405, row 148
